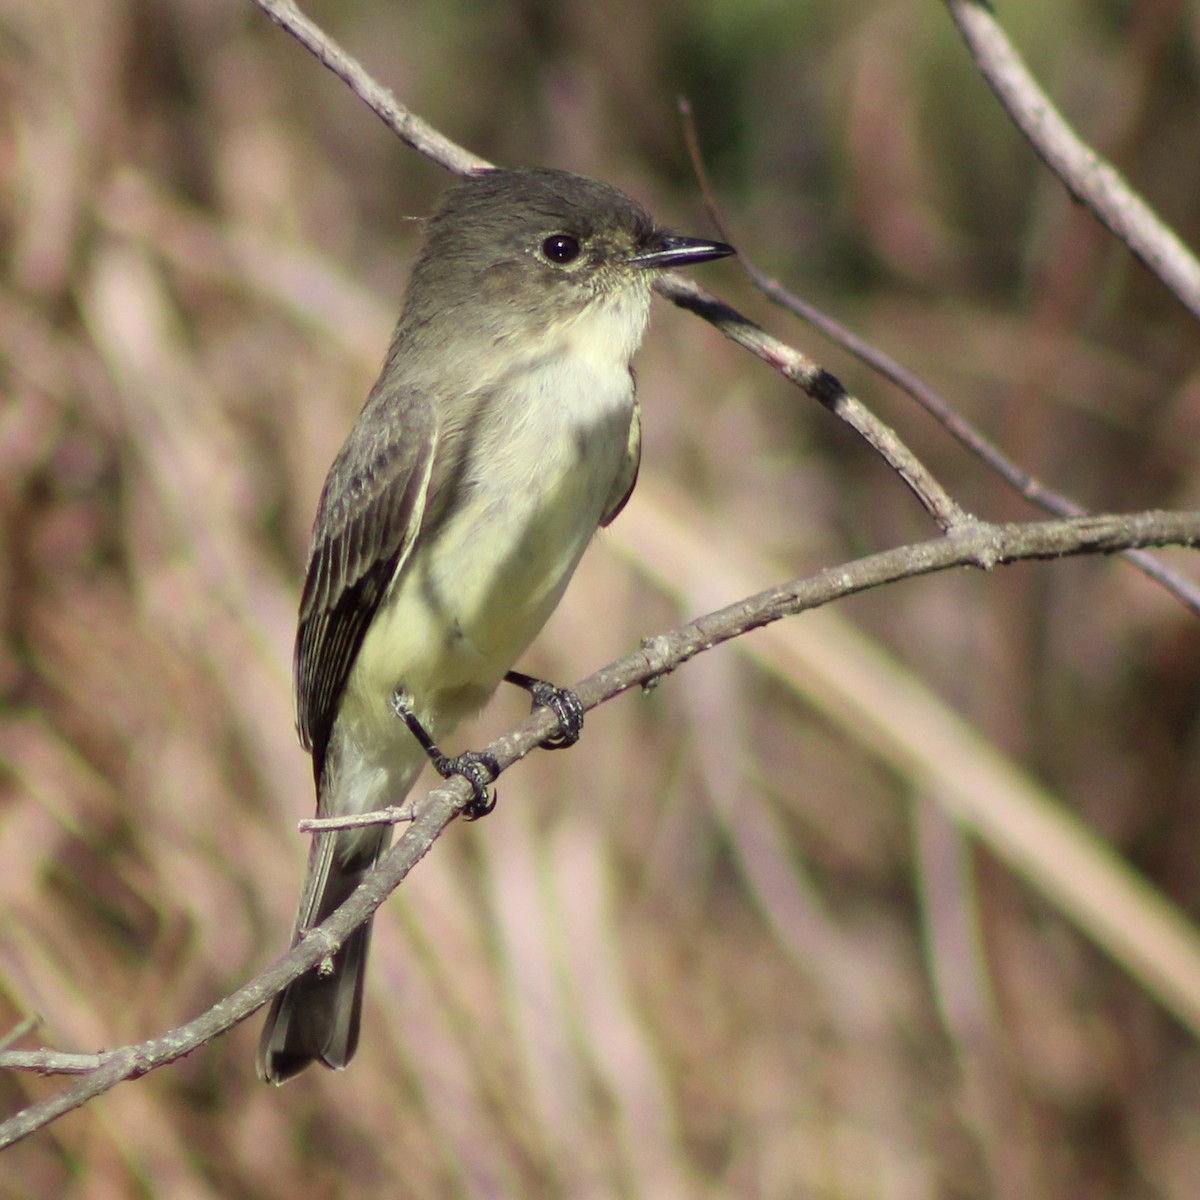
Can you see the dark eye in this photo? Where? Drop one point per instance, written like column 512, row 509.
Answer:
column 561, row 248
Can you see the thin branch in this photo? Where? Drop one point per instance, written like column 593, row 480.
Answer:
column 131, row 1062
column 818, row 383
column 977, row 545
column 1093, row 182
column 394, row 814
column 1185, row 590
column 967, row 544
column 794, row 366
column 52, row 1062
column 410, row 128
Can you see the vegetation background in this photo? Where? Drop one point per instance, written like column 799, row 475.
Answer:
column 730, row 945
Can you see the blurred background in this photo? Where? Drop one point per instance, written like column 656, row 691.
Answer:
column 747, row 939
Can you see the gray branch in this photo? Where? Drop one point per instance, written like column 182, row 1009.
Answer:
column 975, row 544
column 1094, row 182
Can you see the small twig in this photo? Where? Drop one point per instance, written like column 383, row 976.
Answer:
column 818, row 383
column 793, row 365
column 1185, row 590
column 1093, row 182
column 130, row 1062
column 52, row 1062
column 394, row 814
column 415, row 132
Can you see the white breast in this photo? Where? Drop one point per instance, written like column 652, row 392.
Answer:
column 550, row 447
column 534, row 498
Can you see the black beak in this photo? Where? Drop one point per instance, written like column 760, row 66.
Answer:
column 666, row 250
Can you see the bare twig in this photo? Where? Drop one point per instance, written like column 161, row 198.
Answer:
column 823, row 387
column 976, row 544
column 131, row 1062
column 1185, row 590
column 52, row 1062
column 413, row 131
column 1091, row 180
column 394, row 814
column 794, row 366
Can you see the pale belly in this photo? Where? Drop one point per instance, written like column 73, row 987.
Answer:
column 470, row 601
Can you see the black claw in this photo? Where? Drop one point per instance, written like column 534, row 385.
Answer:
column 479, row 770
column 477, row 808
column 565, row 705
column 562, row 702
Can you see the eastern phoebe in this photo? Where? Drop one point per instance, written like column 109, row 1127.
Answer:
column 501, row 433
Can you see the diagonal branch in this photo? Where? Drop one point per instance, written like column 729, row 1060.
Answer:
column 1094, row 182
column 1185, row 590
column 410, row 128
column 789, row 362
column 967, row 544
column 823, row 387
column 977, row 544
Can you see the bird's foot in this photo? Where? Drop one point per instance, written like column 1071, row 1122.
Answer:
column 479, row 769
column 562, row 702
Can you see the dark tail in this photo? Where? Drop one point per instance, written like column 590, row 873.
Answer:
column 316, row 1019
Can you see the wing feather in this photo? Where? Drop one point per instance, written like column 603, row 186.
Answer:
column 370, row 512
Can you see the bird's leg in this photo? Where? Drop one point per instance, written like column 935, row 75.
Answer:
column 562, row 702
column 477, row 768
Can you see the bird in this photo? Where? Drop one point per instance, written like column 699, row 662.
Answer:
column 502, row 432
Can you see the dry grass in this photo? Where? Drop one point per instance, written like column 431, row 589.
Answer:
column 757, row 935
